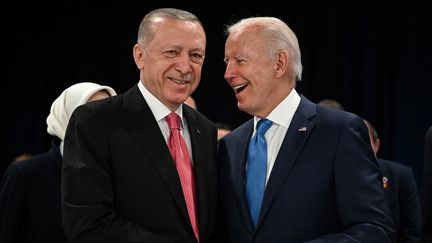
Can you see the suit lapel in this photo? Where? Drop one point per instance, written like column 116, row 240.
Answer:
column 295, row 138
column 199, row 160
column 141, row 124
column 238, row 173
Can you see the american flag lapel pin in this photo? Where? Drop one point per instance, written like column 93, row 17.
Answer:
column 302, row 129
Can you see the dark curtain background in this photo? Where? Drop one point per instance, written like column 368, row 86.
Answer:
column 372, row 56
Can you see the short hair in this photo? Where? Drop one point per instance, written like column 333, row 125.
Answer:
column 329, row 103
column 278, row 36
column 146, row 29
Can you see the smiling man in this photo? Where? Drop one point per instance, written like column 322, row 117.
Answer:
column 141, row 167
column 296, row 172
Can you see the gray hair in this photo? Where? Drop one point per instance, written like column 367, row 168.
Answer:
column 277, row 35
column 146, row 29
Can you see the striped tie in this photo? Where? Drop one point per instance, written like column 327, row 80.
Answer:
column 180, row 155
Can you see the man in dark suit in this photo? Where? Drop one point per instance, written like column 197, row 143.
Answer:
column 427, row 188
column 30, row 199
column 401, row 193
column 322, row 182
column 123, row 179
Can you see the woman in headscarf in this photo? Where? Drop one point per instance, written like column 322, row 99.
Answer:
column 30, row 192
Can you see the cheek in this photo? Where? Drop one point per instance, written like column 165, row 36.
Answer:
column 197, row 68
column 252, row 72
column 197, row 73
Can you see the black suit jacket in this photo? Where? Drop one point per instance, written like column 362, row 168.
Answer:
column 325, row 185
column 119, row 180
column 427, row 188
column 400, row 190
column 30, row 205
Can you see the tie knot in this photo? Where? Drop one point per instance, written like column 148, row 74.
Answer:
column 263, row 125
column 173, row 120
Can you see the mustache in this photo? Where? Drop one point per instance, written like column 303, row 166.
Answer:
column 185, row 78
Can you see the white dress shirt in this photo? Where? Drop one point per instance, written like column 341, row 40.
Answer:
column 281, row 117
column 160, row 111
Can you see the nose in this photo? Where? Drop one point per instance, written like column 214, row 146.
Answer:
column 183, row 64
column 229, row 72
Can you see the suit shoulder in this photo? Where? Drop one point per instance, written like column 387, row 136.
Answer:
column 204, row 119
column 333, row 115
column 104, row 108
column 429, row 134
column 393, row 165
column 38, row 162
column 201, row 118
column 336, row 118
column 106, row 105
column 240, row 132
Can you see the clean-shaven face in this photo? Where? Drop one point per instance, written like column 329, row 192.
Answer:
column 251, row 72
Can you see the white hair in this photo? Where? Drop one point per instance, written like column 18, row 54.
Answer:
column 277, row 35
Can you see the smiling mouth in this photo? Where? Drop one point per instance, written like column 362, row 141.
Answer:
column 179, row 81
column 240, row 88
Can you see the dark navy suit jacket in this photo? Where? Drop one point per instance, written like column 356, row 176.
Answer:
column 325, row 185
column 30, row 200
column 427, row 188
column 402, row 196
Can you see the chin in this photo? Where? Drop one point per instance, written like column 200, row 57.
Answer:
column 242, row 107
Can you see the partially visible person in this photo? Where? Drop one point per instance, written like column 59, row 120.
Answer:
column 222, row 129
column 145, row 163
column 190, row 101
column 427, row 188
column 30, row 206
column 400, row 188
column 23, row 156
column 331, row 103
column 295, row 172
column 401, row 193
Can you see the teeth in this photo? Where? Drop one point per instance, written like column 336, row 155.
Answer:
column 236, row 88
column 239, row 86
column 179, row 81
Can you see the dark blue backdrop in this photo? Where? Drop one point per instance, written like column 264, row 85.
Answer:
column 372, row 56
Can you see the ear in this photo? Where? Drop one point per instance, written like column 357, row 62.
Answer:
column 281, row 63
column 138, row 53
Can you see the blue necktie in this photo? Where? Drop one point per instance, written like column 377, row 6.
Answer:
column 257, row 169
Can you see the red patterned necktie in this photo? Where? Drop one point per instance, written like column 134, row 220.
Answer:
column 180, row 154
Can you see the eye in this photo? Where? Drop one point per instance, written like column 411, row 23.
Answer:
column 171, row 53
column 240, row 61
column 197, row 57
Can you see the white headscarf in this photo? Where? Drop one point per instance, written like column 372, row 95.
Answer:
column 72, row 97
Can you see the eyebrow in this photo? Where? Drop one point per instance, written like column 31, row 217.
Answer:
column 198, row 49
column 242, row 55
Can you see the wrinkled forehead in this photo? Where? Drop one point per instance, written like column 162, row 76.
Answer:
column 179, row 28
column 244, row 42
